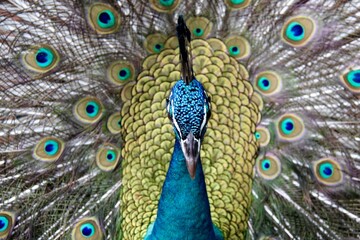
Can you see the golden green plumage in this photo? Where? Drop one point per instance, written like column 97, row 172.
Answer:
column 229, row 148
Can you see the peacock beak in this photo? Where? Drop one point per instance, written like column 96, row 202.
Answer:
column 191, row 149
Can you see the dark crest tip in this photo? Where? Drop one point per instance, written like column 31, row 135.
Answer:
column 181, row 20
column 184, row 38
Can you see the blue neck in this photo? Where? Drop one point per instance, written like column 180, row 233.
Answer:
column 184, row 210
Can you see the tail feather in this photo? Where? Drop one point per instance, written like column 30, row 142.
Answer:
column 295, row 201
column 298, row 204
column 46, row 198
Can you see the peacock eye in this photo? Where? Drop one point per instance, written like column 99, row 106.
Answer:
column 268, row 83
column 351, row 80
column 290, row 127
column 114, row 123
column 198, row 32
column 237, row 4
column 154, row 43
column 40, row 59
column 6, row 224
column 264, row 83
column 328, row 171
column 87, row 229
column 44, row 57
column 103, row 18
column 92, row 108
column 88, row 110
column 295, row 31
column 200, row 27
column 157, row 47
column 120, row 72
column 106, row 19
column 298, row 31
column 287, row 126
column 262, row 135
column 110, row 155
column 234, row 50
column 238, row 47
column 268, row 167
column 107, row 157
column 124, row 73
column 49, row 149
column 164, row 5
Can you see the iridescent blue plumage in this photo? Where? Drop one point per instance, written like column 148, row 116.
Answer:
column 4, row 222
column 295, row 31
column 44, row 57
column 189, row 105
column 184, row 210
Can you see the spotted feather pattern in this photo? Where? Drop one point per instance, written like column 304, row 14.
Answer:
column 264, row 64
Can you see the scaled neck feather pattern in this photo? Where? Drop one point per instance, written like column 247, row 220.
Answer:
column 184, row 210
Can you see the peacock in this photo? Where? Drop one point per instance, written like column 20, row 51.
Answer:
column 179, row 119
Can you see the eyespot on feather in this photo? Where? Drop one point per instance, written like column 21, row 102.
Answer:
column 107, row 157
column 7, row 222
column 351, row 80
column 256, row 97
column 328, row 172
column 298, row 31
column 114, row 123
column 120, row 72
column 40, row 58
column 268, row 83
column 290, row 127
column 200, row 27
column 87, row 228
column 154, row 43
column 165, row 6
column 262, row 135
column 103, row 18
column 237, row 4
column 238, row 47
column 88, row 110
column 49, row 149
column 268, row 167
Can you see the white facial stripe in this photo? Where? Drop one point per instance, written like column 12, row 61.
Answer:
column 168, row 106
column 198, row 140
column 204, row 119
column 174, row 120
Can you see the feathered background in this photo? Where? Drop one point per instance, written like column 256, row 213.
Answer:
column 315, row 85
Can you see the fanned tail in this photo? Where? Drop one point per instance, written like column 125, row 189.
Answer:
column 68, row 67
column 307, row 184
column 38, row 115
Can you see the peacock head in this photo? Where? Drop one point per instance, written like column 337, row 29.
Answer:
column 189, row 110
